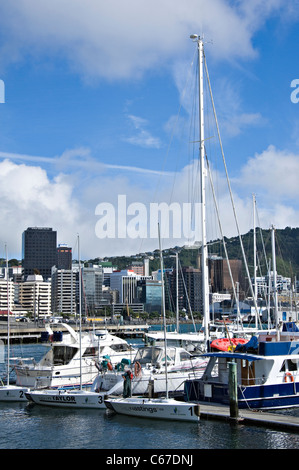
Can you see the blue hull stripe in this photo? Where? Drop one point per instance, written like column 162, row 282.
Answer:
column 254, row 396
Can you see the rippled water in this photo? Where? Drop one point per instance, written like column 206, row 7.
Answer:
column 27, row 426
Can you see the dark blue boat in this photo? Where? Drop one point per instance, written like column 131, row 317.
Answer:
column 267, row 376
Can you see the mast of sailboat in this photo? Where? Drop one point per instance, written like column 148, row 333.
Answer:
column 80, row 312
column 8, row 319
column 203, row 173
column 177, row 290
column 254, row 259
column 274, row 280
column 163, row 310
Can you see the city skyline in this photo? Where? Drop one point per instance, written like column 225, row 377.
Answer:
column 95, row 105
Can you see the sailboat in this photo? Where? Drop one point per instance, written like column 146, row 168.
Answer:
column 156, row 408
column 267, row 366
column 71, row 398
column 10, row 392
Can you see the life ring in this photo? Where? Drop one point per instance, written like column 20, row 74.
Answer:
column 137, row 369
column 288, row 374
column 110, row 366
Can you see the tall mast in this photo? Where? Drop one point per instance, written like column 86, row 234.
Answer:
column 8, row 317
column 203, row 173
column 163, row 311
column 80, row 312
column 274, row 279
column 177, row 290
column 254, row 260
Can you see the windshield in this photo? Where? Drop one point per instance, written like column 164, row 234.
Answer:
column 62, row 355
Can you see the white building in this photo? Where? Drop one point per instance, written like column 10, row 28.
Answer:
column 125, row 282
column 63, row 291
column 4, row 297
column 35, row 296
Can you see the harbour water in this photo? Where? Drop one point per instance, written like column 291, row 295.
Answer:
column 28, row 426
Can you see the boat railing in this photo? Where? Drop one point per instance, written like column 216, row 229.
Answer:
column 253, row 381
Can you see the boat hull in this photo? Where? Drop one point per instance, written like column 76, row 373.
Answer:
column 12, row 393
column 66, row 399
column 169, row 409
column 64, row 376
column 273, row 396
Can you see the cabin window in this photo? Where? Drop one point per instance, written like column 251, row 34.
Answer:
column 90, row 352
column 184, row 356
column 290, row 365
column 119, row 347
column 63, row 355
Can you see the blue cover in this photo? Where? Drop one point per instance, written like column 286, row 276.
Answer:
column 289, row 326
column 251, row 346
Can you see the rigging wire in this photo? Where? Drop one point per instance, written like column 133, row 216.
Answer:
column 230, row 191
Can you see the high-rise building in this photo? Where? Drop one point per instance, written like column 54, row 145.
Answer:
column 64, row 287
column 64, row 257
column 39, row 251
column 92, row 287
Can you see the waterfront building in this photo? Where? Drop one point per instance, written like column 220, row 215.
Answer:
column 4, row 296
column 35, row 296
column 39, row 251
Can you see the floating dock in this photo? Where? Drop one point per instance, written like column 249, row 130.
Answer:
column 286, row 423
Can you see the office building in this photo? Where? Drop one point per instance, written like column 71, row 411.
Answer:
column 35, row 296
column 149, row 293
column 125, row 281
column 92, row 288
column 4, row 298
column 64, row 257
column 39, row 251
column 63, row 291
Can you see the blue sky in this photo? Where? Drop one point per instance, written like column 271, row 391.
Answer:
column 92, row 92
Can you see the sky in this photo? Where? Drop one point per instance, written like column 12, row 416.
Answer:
column 97, row 105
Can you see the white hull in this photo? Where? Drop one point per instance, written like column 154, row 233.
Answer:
column 155, row 408
column 12, row 393
column 140, row 385
column 68, row 398
column 64, row 398
column 56, row 376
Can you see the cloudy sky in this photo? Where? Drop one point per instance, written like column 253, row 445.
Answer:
column 98, row 106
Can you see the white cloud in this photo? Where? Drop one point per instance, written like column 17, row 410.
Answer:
column 29, row 198
column 273, row 172
column 142, row 136
column 124, row 39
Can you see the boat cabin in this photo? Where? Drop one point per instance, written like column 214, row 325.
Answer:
column 272, row 372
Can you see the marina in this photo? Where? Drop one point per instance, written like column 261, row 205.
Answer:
column 33, row 426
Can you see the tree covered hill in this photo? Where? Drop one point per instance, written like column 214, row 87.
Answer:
column 286, row 247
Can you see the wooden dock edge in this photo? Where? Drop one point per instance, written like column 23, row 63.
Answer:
column 285, row 423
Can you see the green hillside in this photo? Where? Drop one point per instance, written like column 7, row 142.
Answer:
column 287, row 252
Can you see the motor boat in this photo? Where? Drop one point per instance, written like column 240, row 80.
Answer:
column 61, row 367
column 267, row 375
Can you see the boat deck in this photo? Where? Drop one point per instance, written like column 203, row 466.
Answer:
column 250, row 417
